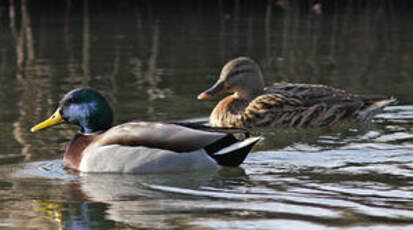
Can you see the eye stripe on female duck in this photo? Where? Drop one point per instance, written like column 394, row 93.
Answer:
column 140, row 147
column 283, row 104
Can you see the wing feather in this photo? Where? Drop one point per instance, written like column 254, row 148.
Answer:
column 158, row 135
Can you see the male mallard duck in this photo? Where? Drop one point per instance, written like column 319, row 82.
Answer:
column 140, row 147
column 283, row 104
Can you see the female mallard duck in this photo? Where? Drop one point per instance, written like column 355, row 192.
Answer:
column 283, row 104
column 140, row 147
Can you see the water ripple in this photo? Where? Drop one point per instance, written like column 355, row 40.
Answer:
column 349, row 178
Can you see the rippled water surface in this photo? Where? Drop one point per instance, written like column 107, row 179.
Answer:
column 152, row 59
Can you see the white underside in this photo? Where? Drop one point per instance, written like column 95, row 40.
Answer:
column 125, row 159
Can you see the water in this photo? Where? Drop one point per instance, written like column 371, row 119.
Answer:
column 152, row 59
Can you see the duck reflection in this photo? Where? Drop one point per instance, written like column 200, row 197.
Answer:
column 134, row 200
column 75, row 216
column 109, row 200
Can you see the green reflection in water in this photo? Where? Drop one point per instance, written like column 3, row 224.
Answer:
column 84, row 215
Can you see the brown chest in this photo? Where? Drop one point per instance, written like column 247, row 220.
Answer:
column 228, row 112
column 74, row 151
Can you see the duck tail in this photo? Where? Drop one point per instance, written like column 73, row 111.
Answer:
column 376, row 107
column 229, row 151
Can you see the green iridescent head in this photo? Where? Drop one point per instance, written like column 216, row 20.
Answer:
column 86, row 108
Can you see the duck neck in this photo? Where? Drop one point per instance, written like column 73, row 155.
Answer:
column 74, row 151
column 228, row 112
column 248, row 95
column 90, row 132
column 252, row 87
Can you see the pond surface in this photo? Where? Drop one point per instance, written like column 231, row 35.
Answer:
column 152, row 59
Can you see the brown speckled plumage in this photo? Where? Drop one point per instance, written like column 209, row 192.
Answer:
column 283, row 104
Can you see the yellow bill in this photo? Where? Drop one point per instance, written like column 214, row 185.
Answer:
column 55, row 119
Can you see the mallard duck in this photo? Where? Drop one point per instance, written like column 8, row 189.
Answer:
column 283, row 104
column 137, row 146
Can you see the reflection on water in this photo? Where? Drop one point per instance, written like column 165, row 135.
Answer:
column 151, row 59
column 362, row 179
